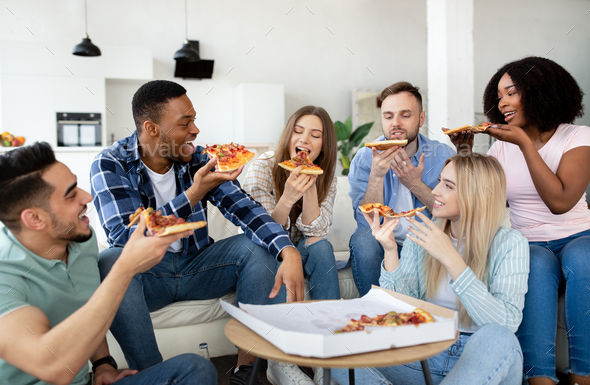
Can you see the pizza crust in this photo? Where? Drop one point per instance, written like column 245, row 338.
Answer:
column 424, row 314
column 385, row 144
column 304, row 170
column 183, row 227
column 134, row 218
column 468, row 127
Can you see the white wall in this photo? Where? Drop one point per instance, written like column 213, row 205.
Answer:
column 313, row 63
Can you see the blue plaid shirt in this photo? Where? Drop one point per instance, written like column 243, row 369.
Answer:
column 120, row 184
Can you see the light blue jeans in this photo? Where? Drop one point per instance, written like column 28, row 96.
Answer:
column 556, row 263
column 319, row 265
column 185, row 369
column 234, row 263
column 491, row 355
column 366, row 255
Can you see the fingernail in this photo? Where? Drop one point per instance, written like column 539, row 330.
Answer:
column 494, row 126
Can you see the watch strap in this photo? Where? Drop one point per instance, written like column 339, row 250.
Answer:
column 105, row 360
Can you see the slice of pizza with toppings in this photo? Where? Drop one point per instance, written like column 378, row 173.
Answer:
column 476, row 129
column 385, row 144
column 391, row 319
column 384, row 211
column 230, row 157
column 162, row 225
column 405, row 214
column 302, row 159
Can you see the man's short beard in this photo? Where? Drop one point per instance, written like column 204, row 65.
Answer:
column 166, row 149
column 63, row 232
column 409, row 138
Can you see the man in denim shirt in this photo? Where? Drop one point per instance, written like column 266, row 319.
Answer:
column 159, row 167
column 399, row 177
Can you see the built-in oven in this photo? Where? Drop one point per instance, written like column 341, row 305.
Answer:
column 79, row 129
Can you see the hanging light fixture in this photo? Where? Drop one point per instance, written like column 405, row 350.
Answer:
column 86, row 48
column 187, row 53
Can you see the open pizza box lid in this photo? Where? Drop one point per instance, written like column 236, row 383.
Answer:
column 307, row 328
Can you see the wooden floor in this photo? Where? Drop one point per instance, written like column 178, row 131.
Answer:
column 226, row 364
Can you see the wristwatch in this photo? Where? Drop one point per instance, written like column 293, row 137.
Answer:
column 105, row 360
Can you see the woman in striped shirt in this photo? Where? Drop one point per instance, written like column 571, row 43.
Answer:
column 303, row 204
column 465, row 261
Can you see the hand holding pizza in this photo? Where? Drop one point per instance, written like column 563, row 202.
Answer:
column 432, row 239
column 463, row 140
column 508, row 133
column 141, row 253
column 383, row 233
column 296, row 185
column 382, row 160
column 205, row 180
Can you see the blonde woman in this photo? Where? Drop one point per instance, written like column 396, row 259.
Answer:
column 465, row 261
column 303, row 205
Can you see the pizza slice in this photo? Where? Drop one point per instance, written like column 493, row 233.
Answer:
column 162, row 225
column 385, row 144
column 302, row 159
column 391, row 319
column 230, row 157
column 384, row 211
column 476, row 129
column 406, row 214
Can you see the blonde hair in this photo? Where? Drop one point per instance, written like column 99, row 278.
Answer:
column 326, row 159
column 481, row 196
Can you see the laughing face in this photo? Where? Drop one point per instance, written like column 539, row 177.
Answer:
column 68, row 205
column 178, row 130
column 307, row 135
column 445, row 195
column 401, row 117
column 509, row 102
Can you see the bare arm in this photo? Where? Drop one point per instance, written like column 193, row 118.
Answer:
column 311, row 206
column 379, row 166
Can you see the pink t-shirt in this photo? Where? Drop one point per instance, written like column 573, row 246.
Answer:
column 528, row 212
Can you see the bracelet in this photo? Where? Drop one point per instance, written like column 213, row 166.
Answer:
column 105, row 360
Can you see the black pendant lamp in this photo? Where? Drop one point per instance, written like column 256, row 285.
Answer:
column 187, row 53
column 86, row 48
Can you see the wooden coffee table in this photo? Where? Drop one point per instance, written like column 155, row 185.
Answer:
column 249, row 341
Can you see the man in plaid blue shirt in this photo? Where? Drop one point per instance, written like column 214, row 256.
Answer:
column 159, row 167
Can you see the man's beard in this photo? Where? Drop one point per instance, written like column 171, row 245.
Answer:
column 63, row 231
column 411, row 136
column 167, row 150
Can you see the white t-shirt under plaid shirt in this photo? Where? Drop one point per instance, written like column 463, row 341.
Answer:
column 260, row 185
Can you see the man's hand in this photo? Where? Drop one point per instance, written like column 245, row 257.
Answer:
column 508, row 133
column 381, row 161
column 205, row 180
column 106, row 374
column 141, row 253
column 290, row 273
column 463, row 141
column 408, row 175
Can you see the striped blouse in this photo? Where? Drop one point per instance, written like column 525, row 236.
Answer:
column 500, row 302
column 259, row 184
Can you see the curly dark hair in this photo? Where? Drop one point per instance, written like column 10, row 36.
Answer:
column 150, row 100
column 548, row 93
column 21, row 182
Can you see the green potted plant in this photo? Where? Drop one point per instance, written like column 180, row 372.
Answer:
column 349, row 140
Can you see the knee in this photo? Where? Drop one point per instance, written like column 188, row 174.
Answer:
column 363, row 245
column 196, row 368
column 498, row 336
column 311, row 240
column 322, row 250
column 107, row 259
column 542, row 259
column 576, row 254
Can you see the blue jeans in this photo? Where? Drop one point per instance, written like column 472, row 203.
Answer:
column 185, row 369
column 491, row 355
column 366, row 255
column 319, row 265
column 554, row 263
column 234, row 263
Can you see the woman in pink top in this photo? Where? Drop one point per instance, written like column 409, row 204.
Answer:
column 546, row 161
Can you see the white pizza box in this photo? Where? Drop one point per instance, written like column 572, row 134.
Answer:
column 307, row 328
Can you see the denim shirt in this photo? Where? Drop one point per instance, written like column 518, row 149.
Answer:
column 436, row 153
column 120, row 184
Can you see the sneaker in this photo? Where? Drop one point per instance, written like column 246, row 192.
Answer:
column 242, row 376
column 318, row 376
column 280, row 373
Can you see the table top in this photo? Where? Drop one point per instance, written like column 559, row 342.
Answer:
column 254, row 344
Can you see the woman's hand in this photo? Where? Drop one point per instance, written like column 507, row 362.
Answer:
column 384, row 235
column 432, row 239
column 297, row 184
column 508, row 133
column 463, row 141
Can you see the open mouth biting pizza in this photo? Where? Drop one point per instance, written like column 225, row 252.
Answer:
column 476, row 129
column 391, row 319
column 302, row 159
column 162, row 225
column 386, row 211
column 385, row 144
column 230, row 157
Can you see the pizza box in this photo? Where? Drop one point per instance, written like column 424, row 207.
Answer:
column 308, row 328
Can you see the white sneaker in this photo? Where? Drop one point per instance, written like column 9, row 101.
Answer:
column 280, row 373
column 318, row 376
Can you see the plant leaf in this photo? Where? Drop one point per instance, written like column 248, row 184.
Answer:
column 341, row 131
column 358, row 134
column 348, row 124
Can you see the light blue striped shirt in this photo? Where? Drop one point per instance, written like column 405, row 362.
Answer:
column 500, row 302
